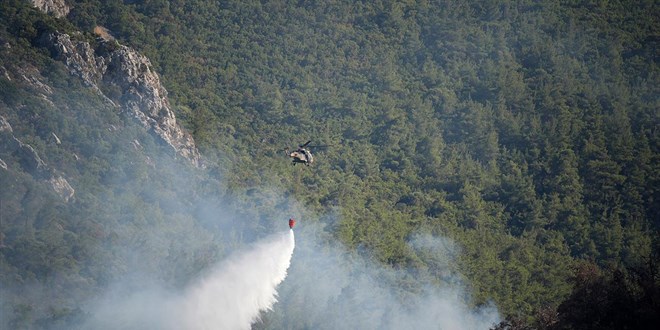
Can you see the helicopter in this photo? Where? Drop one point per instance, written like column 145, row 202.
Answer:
column 302, row 155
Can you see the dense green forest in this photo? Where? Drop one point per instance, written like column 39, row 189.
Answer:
column 525, row 131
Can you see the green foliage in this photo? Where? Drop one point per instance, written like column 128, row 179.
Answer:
column 525, row 131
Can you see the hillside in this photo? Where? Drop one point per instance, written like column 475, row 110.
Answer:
column 523, row 136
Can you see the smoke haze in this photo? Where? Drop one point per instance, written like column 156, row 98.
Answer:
column 327, row 287
column 336, row 289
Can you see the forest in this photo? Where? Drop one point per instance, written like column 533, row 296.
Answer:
column 526, row 132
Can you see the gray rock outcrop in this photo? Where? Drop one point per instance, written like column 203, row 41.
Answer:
column 57, row 8
column 146, row 100
column 135, row 87
column 78, row 56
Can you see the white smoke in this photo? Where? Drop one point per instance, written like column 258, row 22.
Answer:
column 333, row 288
column 230, row 296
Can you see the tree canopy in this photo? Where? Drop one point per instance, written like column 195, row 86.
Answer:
column 525, row 131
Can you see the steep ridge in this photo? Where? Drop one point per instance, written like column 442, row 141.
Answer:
column 126, row 79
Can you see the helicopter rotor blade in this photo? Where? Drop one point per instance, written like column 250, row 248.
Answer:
column 306, row 143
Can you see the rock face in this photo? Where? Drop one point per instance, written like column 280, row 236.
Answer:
column 135, row 87
column 146, row 99
column 78, row 56
column 58, row 8
column 31, row 163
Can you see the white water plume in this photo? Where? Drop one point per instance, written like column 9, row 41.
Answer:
column 230, row 296
column 244, row 285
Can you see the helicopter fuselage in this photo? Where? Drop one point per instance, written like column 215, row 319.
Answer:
column 302, row 156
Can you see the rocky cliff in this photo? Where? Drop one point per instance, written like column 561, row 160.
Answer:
column 123, row 76
column 119, row 74
column 144, row 98
column 129, row 82
column 58, row 8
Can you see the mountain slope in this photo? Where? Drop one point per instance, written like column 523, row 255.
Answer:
column 526, row 132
